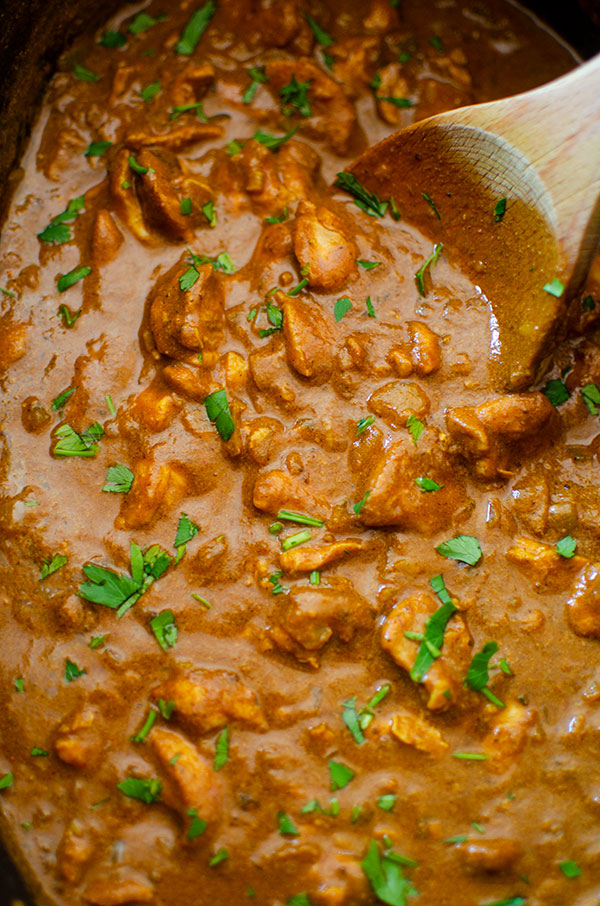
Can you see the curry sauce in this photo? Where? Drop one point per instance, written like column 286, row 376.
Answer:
column 297, row 609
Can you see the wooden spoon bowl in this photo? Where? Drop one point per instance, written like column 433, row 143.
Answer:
column 512, row 189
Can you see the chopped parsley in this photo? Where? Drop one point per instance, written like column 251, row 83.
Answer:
column 365, row 200
column 350, row 718
column 6, row 781
column 72, row 671
column 428, row 484
column 96, row 641
column 83, row 74
column 554, row 288
column 37, row 752
column 70, row 443
column 366, row 714
column 358, row 506
column 464, row 548
column 299, row 899
column 437, row 43
column 286, row 825
column 195, row 28
column 431, row 204
column 218, row 857
column 420, row 275
column 210, row 212
column 478, row 674
column 294, row 540
column 118, row 590
column 233, row 147
column 433, row 639
column 364, row 423
column 217, row 410
column 143, row 21
column 73, row 277
column 119, row 479
column 97, row 149
column 570, row 869
column 591, row 397
column 556, row 392
column 341, row 308
column 386, row 876
column 259, row 77
column 280, row 218
column 387, row 802
column 186, row 530
column 300, row 518
column 340, row 775
column 164, row 629
column 367, row 265
column 198, row 109
column 415, row 428
column 321, row 36
column 222, row 262
column 57, row 230
column 52, row 565
column 20, row 684
column 499, row 209
column 197, row 825
column 294, row 96
column 222, row 749
column 566, row 547
column 112, row 39
column 397, row 102
column 273, row 142
column 147, row 791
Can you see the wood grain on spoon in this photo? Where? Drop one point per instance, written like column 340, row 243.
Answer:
column 541, row 152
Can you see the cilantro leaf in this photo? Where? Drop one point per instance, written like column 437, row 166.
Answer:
column 358, row 506
column 415, row 428
column 554, row 288
column 499, row 209
column 365, row 200
column 341, row 308
column 258, row 76
column 286, row 825
column 53, row 565
column 113, row 39
column 195, row 28
column 70, row 443
column 119, row 479
column 120, row 591
column 6, row 781
column 591, row 397
column 218, row 857
column 570, row 869
column 321, row 36
column 83, row 74
column 295, row 95
column 387, row 802
column 273, row 142
column 164, row 629
column 186, row 530
column 386, row 877
column 142, row 22
column 97, row 149
column 464, row 548
column 67, row 280
column 566, row 547
column 147, row 791
column 209, row 210
column 433, row 640
column 300, row 899
column 279, row 219
column 340, row 774
column 351, row 720
column 197, row 825
column 198, row 108
column 57, row 231
column 397, row 102
column 556, row 392
column 428, row 484
column 222, row 749
column 478, row 674
column 367, row 265
column 217, row 410
column 72, row 671
column 420, row 275
column 364, row 423
column 140, row 737
column 149, row 92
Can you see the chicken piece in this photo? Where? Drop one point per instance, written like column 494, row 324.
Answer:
column 13, row 342
column 397, row 401
column 310, row 616
column 323, row 247
column 355, row 59
column 154, row 486
column 426, row 351
column 190, row 85
column 74, row 852
column 118, row 887
column 256, row 171
column 122, row 80
column 496, row 855
column 394, row 85
column 158, row 199
column 34, row 416
column 106, row 239
column 178, row 138
column 79, row 740
column 531, row 502
column 509, row 732
column 261, row 433
column 337, row 879
column 206, row 700
column 444, row 678
column 236, row 371
column 298, row 166
column 482, row 433
column 309, row 343
column 381, row 16
column 153, row 408
column 125, row 201
column 414, row 731
column 188, row 381
column 332, row 116
column 305, row 559
column 214, row 562
column 277, row 23
column 271, row 374
column 186, row 322
column 189, row 781
column 277, row 490
column 543, row 565
column 583, row 607
column 395, row 498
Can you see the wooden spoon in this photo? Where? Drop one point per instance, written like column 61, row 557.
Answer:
column 540, row 151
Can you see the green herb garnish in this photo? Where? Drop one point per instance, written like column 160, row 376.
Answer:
column 97, row 149
column 300, row 518
column 420, row 275
column 73, row 277
column 556, row 392
column 554, row 288
column 57, row 231
column 70, row 443
column 118, row 590
column 83, row 74
column 217, row 410
column 295, row 95
column 321, row 36
column 195, row 28
column 566, row 547
column 340, row 775
column 428, row 484
column 286, row 825
column 365, row 200
column 415, row 428
column 591, row 397
column 119, row 479
column 464, row 548
column 499, row 209
column 164, row 629
column 341, row 308
column 222, row 749
column 386, row 876
column 147, row 791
